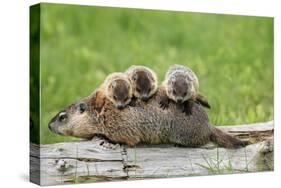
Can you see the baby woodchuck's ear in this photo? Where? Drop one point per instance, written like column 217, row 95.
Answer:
column 113, row 84
column 98, row 100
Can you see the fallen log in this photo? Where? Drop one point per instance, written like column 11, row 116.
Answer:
column 88, row 161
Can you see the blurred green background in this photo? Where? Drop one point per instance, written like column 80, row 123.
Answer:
column 231, row 55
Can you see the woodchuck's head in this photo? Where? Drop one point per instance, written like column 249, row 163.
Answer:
column 118, row 90
column 144, row 82
column 178, row 87
column 77, row 120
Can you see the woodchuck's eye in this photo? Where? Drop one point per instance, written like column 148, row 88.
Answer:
column 115, row 97
column 174, row 92
column 62, row 116
column 185, row 93
column 138, row 90
column 135, row 78
column 82, row 107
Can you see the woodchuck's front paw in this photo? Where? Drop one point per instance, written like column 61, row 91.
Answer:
column 187, row 108
column 105, row 143
column 164, row 104
column 133, row 102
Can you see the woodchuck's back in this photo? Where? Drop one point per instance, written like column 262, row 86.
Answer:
column 148, row 123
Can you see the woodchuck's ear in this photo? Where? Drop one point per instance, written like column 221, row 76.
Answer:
column 113, row 84
column 135, row 77
column 173, row 80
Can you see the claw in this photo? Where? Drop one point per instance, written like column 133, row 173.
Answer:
column 107, row 145
column 163, row 105
column 104, row 142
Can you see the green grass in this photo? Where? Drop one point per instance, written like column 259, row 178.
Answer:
column 232, row 56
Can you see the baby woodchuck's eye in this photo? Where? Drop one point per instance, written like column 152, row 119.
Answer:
column 135, row 78
column 115, row 97
column 62, row 116
column 174, row 92
column 126, row 98
column 82, row 107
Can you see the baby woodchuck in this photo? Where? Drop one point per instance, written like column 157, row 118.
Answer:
column 117, row 89
column 181, row 85
column 143, row 80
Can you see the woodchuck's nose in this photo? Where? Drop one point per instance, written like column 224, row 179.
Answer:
column 145, row 97
column 120, row 106
column 179, row 100
column 51, row 123
column 50, row 126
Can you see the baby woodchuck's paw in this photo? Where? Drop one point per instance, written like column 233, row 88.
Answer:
column 133, row 102
column 187, row 108
column 164, row 103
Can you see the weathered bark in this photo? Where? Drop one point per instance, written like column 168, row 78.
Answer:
column 87, row 161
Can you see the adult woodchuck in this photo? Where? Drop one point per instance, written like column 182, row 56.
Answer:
column 145, row 122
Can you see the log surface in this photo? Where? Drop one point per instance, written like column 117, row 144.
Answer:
column 87, row 161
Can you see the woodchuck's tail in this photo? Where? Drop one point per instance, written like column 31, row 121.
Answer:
column 225, row 140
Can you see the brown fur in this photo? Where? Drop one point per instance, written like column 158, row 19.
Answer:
column 225, row 140
column 99, row 100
